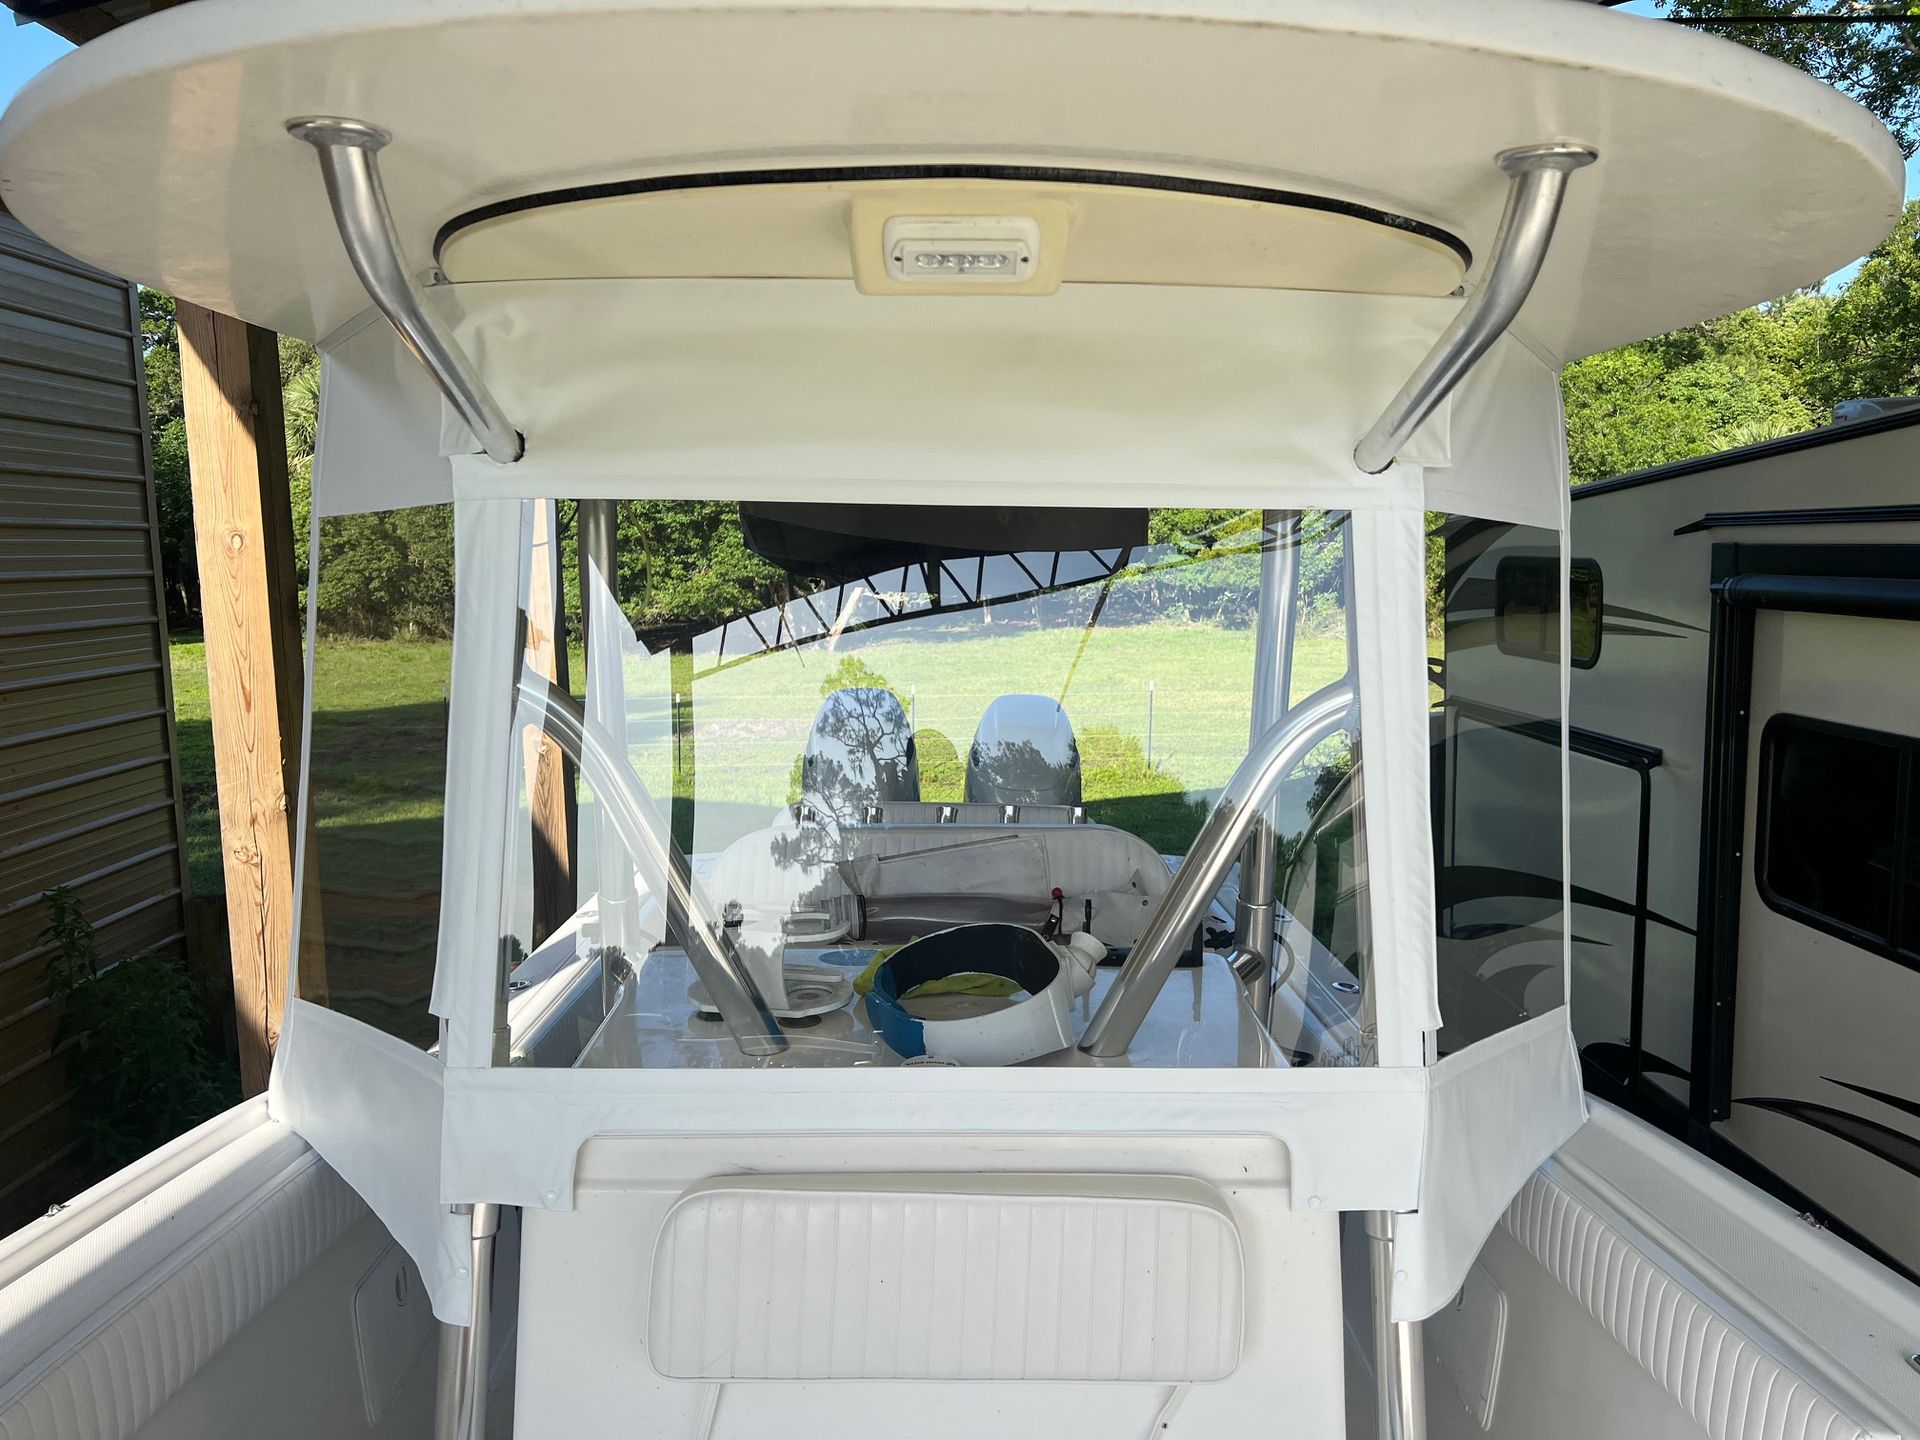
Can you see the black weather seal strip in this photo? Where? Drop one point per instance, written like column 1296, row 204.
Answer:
column 1022, row 174
column 1765, row 450
column 1814, row 515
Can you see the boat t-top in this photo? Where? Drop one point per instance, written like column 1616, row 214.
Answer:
column 996, row 961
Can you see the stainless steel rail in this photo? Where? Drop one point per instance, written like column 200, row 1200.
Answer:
column 597, row 523
column 347, row 149
column 1172, row 923
column 1253, row 914
column 1539, row 182
column 460, row 1406
column 1399, row 1347
column 727, row 980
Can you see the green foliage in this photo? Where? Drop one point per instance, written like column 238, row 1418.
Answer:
column 1122, row 789
column 1875, row 64
column 173, row 501
column 853, row 673
column 387, row 575
column 1731, row 381
column 1869, row 343
column 137, row 1069
column 160, row 349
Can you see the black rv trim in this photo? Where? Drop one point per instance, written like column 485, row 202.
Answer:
column 1817, row 515
column 1872, row 596
column 1023, row 174
column 1765, row 450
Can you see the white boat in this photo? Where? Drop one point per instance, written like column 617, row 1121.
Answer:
column 954, row 316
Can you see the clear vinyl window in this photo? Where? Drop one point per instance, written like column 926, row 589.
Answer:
column 852, row 728
column 382, row 601
column 1497, row 761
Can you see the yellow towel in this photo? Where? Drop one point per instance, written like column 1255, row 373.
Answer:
column 969, row 983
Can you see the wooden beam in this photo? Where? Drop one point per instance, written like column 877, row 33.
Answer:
column 551, row 802
column 243, row 532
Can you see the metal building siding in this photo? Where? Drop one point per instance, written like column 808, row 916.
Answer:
column 89, row 784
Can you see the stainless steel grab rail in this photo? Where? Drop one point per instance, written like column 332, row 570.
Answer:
column 346, row 149
column 728, row 982
column 1539, row 181
column 1217, row 846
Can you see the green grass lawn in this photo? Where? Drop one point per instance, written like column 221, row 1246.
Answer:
column 379, row 757
column 193, row 745
column 379, row 746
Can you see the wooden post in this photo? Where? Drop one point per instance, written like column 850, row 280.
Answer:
column 551, row 802
column 243, row 532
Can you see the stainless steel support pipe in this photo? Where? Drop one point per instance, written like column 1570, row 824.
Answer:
column 460, row 1407
column 347, row 149
column 1253, row 913
column 1399, row 1347
column 1174, row 919
column 1538, row 183
column 598, row 522
column 727, row 979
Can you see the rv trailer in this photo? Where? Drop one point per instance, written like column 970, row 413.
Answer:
column 1746, row 962
column 1074, row 378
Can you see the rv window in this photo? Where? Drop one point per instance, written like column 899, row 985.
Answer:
column 1527, row 608
column 1830, row 836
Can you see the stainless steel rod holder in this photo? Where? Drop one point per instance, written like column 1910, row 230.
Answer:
column 1538, row 182
column 347, row 151
column 711, row 952
column 1157, row 951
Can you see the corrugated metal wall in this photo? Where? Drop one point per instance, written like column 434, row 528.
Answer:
column 89, row 787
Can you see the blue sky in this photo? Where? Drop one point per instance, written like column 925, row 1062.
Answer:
column 25, row 49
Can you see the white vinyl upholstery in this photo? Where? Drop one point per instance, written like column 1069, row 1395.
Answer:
column 779, row 1279
column 1731, row 1386
column 100, row 1336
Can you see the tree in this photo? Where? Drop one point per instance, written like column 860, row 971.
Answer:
column 1869, row 343
column 1730, row 381
column 1877, row 64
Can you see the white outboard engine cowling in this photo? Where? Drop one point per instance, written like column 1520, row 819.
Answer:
column 860, row 753
column 1024, row 753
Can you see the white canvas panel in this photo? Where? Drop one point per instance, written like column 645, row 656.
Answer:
column 1495, row 1112
column 1509, row 442
column 377, row 445
column 1099, row 395
column 1389, row 577
column 371, row 1105
column 486, row 663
